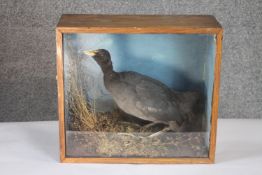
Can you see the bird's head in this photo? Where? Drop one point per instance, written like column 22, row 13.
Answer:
column 101, row 56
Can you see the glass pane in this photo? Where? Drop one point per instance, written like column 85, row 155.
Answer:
column 138, row 95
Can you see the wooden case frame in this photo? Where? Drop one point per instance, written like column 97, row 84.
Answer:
column 127, row 24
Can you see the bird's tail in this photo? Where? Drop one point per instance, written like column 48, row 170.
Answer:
column 191, row 107
column 190, row 101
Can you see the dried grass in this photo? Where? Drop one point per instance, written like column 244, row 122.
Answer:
column 83, row 117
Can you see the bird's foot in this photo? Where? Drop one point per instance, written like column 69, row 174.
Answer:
column 146, row 127
column 172, row 126
column 159, row 132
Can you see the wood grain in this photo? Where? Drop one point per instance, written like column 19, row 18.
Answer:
column 215, row 99
column 60, row 92
column 139, row 160
column 141, row 21
column 183, row 24
column 138, row 24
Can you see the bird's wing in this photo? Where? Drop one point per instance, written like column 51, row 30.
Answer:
column 153, row 98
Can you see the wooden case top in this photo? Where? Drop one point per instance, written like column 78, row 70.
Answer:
column 138, row 23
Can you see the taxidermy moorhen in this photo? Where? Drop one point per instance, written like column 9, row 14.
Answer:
column 142, row 96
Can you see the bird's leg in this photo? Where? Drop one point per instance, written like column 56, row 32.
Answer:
column 159, row 132
column 144, row 128
column 172, row 126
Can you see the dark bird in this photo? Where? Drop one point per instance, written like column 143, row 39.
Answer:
column 142, row 96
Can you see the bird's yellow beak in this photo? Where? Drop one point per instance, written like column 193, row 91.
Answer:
column 90, row 52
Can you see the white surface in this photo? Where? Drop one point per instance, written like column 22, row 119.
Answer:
column 32, row 148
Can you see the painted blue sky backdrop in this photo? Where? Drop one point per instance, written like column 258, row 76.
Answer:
column 182, row 62
column 176, row 60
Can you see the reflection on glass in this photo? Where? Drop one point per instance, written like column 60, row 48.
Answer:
column 138, row 95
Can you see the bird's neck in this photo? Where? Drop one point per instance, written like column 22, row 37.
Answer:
column 109, row 76
column 108, row 72
column 107, row 69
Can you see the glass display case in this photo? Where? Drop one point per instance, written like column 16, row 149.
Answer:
column 138, row 89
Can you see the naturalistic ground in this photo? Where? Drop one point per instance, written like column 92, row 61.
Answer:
column 115, row 134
